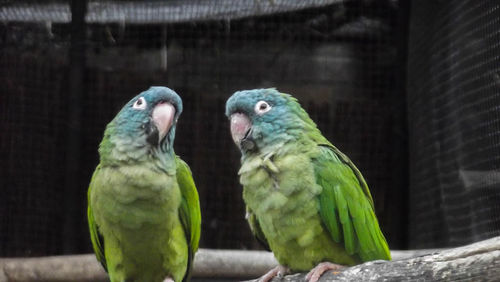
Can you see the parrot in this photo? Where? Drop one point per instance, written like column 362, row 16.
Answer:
column 305, row 200
column 143, row 208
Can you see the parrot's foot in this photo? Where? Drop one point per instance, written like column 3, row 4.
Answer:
column 168, row 279
column 278, row 271
column 315, row 273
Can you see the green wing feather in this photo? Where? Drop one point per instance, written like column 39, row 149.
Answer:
column 256, row 230
column 95, row 236
column 189, row 212
column 346, row 206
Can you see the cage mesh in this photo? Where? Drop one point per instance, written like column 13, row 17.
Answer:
column 341, row 59
column 454, row 122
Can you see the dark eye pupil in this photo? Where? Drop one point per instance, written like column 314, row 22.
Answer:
column 139, row 102
column 263, row 106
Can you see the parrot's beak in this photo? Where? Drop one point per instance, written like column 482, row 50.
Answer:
column 241, row 129
column 163, row 117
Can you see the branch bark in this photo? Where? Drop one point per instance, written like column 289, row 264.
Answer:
column 475, row 262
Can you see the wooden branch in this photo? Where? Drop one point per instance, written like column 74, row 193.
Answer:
column 479, row 261
column 476, row 262
column 208, row 263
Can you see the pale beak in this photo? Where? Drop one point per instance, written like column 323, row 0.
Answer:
column 163, row 117
column 241, row 129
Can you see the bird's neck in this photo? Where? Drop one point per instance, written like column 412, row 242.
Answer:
column 119, row 151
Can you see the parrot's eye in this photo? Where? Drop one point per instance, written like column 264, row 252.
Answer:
column 262, row 107
column 140, row 104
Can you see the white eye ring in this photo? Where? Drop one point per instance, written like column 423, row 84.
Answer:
column 140, row 104
column 262, row 107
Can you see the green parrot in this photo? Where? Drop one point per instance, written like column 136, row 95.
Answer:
column 305, row 200
column 143, row 208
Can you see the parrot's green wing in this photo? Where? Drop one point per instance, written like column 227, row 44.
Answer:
column 256, row 230
column 95, row 237
column 189, row 211
column 346, row 206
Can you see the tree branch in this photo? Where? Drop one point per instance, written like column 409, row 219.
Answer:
column 476, row 262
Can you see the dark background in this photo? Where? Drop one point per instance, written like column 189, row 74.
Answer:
column 409, row 91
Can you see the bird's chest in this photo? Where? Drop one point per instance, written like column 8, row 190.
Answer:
column 282, row 192
column 133, row 197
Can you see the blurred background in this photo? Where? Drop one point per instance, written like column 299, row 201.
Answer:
column 410, row 90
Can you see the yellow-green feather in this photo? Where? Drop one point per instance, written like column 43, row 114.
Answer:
column 95, row 237
column 189, row 210
column 306, row 199
column 346, row 203
column 284, row 207
column 135, row 206
column 254, row 224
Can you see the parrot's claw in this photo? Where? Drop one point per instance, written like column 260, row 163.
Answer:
column 315, row 273
column 168, row 279
column 278, row 271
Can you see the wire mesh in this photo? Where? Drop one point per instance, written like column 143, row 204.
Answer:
column 339, row 58
column 454, row 122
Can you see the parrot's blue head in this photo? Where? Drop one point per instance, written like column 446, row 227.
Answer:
column 144, row 126
column 264, row 118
